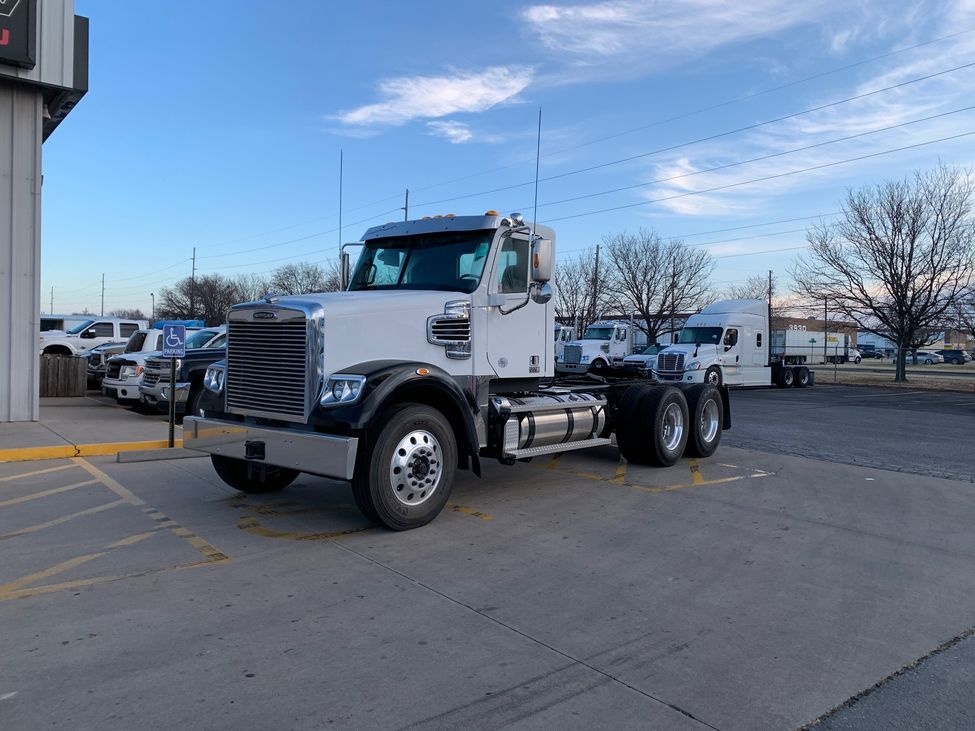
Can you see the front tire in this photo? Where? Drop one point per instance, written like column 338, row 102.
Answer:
column 712, row 376
column 404, row 480
column 598, row 365
column 249, row 477
column 706, row 412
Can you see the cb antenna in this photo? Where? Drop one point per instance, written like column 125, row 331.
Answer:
column 538, row 149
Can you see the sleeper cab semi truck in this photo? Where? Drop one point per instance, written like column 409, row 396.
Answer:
column 727, row 343
column 437, row 354
column 602, row 345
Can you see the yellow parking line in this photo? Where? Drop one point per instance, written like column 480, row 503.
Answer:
column 34, row 473
column 63, row 519
column 45, row 493
column 53, row 571
column 464, row 510
column 132, row 540
column 620, row 475
column 696, row 477
column 108, row 482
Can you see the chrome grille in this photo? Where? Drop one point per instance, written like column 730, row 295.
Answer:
column 114, row 370
column 267, row 367
column 572, row 354
column 670, row 363
column 155, row 371
column 149, row 379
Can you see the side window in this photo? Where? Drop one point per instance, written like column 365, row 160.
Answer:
column 621, row 335
column 219, row 342
column 512, row 268
column 126, row 329
column 730, row 338
column 105, row 330
column 758, row 340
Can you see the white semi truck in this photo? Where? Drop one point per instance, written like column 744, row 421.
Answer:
column 563, row 334
column 437, row 355
column 727, row 343
column 602, row 345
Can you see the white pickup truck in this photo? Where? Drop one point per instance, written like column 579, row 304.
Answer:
column 87, row 334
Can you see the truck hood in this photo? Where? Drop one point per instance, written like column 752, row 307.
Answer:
column 345, row 304
column 704, row 351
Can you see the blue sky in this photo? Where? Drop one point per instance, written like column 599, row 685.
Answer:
column 219, row 125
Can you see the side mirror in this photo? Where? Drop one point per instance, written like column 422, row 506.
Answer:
column 541, row 252
column 88, row 334
column 541, row 292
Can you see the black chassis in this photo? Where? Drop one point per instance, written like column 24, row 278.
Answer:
column 389, row 382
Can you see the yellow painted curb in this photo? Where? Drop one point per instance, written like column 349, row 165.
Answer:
column 25, row 454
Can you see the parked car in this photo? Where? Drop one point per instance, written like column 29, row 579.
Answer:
column 927, row 357
column 98, row 358
column 190, row 376
column 87, row 334
column 868, row 353
column 957, row 357
column 643, row 359
column 125, row 371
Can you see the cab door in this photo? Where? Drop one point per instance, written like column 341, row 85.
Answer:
column 730, row 355
column 520, row 331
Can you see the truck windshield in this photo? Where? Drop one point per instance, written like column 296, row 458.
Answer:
column 80, row 326
column 709, row 335
column 199, row 338
column 598, row 333
column 451, row 261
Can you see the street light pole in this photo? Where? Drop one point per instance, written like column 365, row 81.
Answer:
column 153, row 295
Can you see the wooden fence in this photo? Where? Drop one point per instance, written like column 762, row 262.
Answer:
column 63, row 375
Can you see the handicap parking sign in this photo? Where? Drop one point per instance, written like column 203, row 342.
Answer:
column 174, row 341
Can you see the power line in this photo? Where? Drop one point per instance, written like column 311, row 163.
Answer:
column 708, row 138
column 762, row 179
column 701, row 110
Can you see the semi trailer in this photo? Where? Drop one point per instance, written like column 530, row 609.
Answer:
column 437, row 354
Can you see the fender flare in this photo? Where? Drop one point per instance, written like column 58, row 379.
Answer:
column 392, row 381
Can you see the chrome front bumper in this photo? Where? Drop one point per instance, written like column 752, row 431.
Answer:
column 319, row 454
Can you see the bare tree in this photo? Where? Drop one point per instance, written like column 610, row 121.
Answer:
column 251, row 287
column 579, row 296
column 756, row 287
column 303, row 277
column 135, row 314
column 212, row 297
column 656, row 279
column 901, row 258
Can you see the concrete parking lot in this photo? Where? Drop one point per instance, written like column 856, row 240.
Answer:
column 825, row 547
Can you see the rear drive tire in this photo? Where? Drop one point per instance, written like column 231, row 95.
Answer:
column 802, row 377
column 787, row 377
column 405, row 478
column 246, row 476
column 657, row 433
column 712, row 376
column 706, row 412
column 626, row 421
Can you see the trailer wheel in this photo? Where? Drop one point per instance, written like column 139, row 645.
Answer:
column 404, row 480
column 712, row 376
column 787, row 377
column 246, row 477
column 657, row 432
column 706, row 417
column 802, row 377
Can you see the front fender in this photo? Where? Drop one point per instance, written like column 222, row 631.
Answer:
column 394, row 381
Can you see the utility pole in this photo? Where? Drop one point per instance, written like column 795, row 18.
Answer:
column 768, row 335
column 103, row 296
column 673, row 299
column 193, row 285
column 406, row 206
column 595, row 282
column 341, row 162
column 825, row 327
column 51, row 311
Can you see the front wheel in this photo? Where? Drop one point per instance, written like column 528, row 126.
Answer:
column 251, row 477
column 857, row 360
column 712, row 376
column 598, row 365
column 405, row 479
column 928, row 361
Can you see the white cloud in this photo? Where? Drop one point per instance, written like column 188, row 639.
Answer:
column 454, row 132
column 647, row 34
column 406, row 98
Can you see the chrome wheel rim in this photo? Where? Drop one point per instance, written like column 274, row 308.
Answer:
column 416, row 468
column 673, row 427
column 709, row 421
column 713, row 378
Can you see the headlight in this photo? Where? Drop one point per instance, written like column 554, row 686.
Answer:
column 126, row 371
column 213, row 380
column 342, row 388
column 694, row 365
